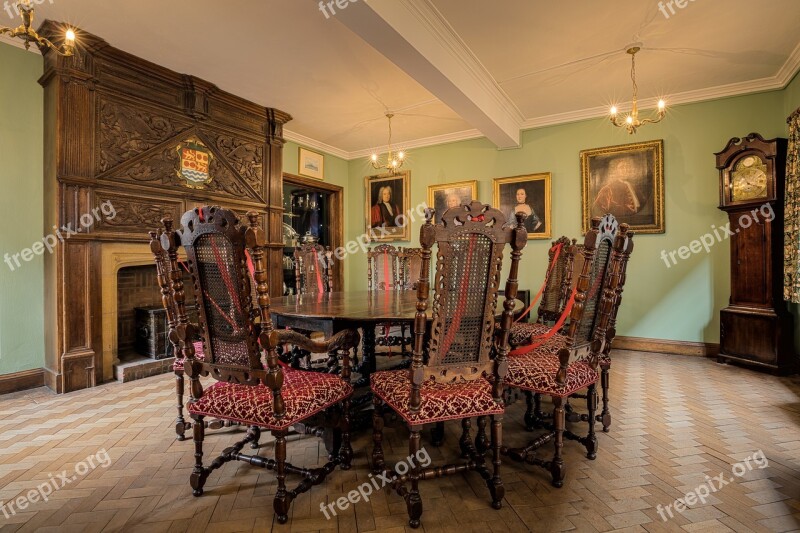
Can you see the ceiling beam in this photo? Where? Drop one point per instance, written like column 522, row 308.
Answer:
column 415, row 36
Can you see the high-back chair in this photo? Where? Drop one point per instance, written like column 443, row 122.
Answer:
column 313, row 268
column 410, row 267
column 461, row 379
column 246, row 389
column 555, row 293
column 382, row 268
column 563, row 365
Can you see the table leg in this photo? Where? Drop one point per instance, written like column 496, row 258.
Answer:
column 368, row 365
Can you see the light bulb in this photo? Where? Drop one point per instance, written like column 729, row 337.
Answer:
column 613, row 110
column 629, row 120
column 70, row 37
column 374, row 157
column 661, row 105
column 394, row 163
column 400, row 155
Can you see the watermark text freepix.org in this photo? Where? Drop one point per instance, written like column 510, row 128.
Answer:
column 49, row 242
column 671, row 4
column 377, row 483
column 11, row 8
column 328, row 8
column 43, row 491
column 713, row 484
column 708, row 240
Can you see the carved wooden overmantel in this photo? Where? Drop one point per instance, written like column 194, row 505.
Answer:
column 113, row 124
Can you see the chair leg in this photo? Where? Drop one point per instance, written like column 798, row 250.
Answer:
column 282, row 497
column 180, row 424
column 591, row 406
column 403, row 327
column 465, row 442
column 437, row 434
column 255, row 431
column 605, row 415
column 378, row 462
column 199, row 474
column 346, row 449
column 557, row 469
column 496, row 484
column 413, row 499
column 481, row 440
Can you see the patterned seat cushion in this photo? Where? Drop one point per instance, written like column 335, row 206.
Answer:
column 304, row 393
column 536, row 372
column 522, row 332
column 449, row 401
column 198, row 354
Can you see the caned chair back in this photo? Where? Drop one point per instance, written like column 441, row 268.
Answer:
column 558, row 280
column 313, row 264
column 604, row 258
column 410, row 267
column 470, row 242
column 382, row 268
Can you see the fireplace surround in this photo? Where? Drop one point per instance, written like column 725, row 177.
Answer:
column 114, row 125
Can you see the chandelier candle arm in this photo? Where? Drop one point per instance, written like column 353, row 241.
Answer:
column 26, row 32
column 632, row 122
column 392, row 162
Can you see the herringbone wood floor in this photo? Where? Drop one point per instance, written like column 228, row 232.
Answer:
column 677, row 420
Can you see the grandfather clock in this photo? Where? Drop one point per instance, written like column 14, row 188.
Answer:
column 756, row 327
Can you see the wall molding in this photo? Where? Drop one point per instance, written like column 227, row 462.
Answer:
column 641, row 344
column 18, row 381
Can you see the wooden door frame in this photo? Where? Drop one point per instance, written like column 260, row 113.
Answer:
column 337, row 217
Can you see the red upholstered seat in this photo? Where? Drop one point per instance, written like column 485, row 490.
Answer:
column 521, row 333
column 536, row 372
column 450, row 401
column 304, row 393
column 198, row 354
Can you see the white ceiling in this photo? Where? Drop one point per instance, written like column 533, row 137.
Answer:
column 530, row 63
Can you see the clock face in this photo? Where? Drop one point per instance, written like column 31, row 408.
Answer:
column 749, row 179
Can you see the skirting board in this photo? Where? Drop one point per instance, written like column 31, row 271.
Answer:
column 703, row 349
column 27, row 379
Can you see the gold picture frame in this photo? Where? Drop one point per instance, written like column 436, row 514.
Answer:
column 381, row 225
column 310, row 164
column 460, row 192
column 537, row 198
column 627, row 181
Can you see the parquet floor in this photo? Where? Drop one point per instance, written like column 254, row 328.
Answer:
column 678, row 422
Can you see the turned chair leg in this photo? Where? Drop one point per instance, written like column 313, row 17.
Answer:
column 346, row 449
column 557, row 469
column 605, row 415
column 495, row 483
column 282, row 497
column 591, row 406
column 199, row 474
column 378, row 462
column 437, row 434
column 465, row 442
column 180, row 424
column 255, row 431
column 413, row 499
column 481, row 440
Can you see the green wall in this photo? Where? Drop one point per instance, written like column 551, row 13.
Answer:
column 680, row 302
column 21, row 290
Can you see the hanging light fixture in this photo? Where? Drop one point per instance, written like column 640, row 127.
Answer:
column 29, row 35
column 632, row 122
column 393, row 161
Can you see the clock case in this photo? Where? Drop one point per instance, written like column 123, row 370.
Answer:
column 756, row 327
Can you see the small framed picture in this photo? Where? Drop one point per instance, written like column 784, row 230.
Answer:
column 443, row 197
column 529, row 194
column 388, row 198
column 626, row 181
column 311, row 164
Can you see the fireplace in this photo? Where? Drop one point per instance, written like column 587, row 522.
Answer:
column 114, row 125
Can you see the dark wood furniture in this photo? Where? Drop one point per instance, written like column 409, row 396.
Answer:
column 114, row 123
column 247, row 390
column 460, row 380
column 313, row 266
column 756, row 327
column 410, row 267
column 564, row 365
column 384, row 274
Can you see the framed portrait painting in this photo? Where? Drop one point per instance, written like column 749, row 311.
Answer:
column 387, row 202
column 529, row 194
column 310, row 164
column 626, row 181
column 443, row 197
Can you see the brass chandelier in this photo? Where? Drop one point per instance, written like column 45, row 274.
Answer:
column 632, row 122
column 29, row 35
column 393, row 161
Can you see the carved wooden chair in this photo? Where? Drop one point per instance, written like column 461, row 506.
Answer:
column 460, row 381
column 383, row 274
column 410, row 267
column 565, row 364
column 313, row 268
column 246, row 390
